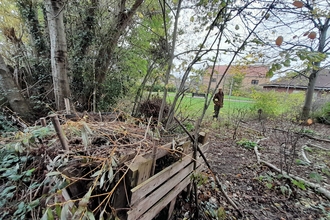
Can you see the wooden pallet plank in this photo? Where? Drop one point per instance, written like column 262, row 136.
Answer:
column 149, row 185
column 171, row 208
column 142, row 206
column 165, row 200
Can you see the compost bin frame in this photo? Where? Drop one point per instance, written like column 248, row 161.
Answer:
column 150, row 195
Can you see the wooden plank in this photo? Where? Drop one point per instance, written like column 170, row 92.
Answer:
column 142, row 206
column 165, row 200
column 149, row 185
column 171, row 208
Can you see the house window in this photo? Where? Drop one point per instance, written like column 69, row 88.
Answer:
column 254, row 82
column 213, row 80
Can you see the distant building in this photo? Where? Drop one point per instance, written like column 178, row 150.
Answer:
column 300, row 83
column 254, row 76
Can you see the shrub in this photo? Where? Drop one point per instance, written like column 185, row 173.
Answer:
column 276, row 103
column 323, row 115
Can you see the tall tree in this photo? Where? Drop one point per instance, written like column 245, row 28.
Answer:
column 170, row 49
column 58, row 51
column 301, row 30
column 12, row 93
column 123, row 18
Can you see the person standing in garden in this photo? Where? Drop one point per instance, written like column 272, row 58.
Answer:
column 218, row 103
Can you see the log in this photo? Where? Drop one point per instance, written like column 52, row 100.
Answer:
column 316, row 187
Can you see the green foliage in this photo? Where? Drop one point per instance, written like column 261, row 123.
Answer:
column 234, row 83
column 317, row 177
column 277, row 103
column 300, row 184
column 24, row 141
column 301, row 162
column 6, row 125
column 285, row 190
column 326, row 171
column 323, row 115
column 311, row 57
column 199, row 178
column 307, row 131
column 12, row 170
column 268, row 180
column 246, row 143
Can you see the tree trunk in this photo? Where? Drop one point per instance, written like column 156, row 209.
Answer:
column 309, row 94
column 58, row 51
column 29, row 12
column 139, row 92
column 323, row 29
column 171, row 56
column 124, row 17
column 12, row 93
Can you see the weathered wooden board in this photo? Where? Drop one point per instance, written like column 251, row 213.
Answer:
column 165, row 200
column 153, row 182
column 142, row 206
column 151, row 196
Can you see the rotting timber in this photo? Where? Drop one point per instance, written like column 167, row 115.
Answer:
column 117, row 168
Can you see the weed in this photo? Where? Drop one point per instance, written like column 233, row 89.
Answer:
column 301, row 162
column 300, row 184
column 326, row 171
column 317, row 177
column 285, row 190
column 307, row 131
column 246, row 143
column 200, row 178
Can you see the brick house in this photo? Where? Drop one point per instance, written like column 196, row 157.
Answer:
column 300, row 83
column 254, row 76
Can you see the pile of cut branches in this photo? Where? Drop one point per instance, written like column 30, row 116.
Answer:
column 48, row 182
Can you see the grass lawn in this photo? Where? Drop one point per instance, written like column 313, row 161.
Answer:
column 193, row 106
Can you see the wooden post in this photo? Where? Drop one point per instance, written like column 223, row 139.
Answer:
column 139, row 170
column 154, row 153
column 202, row 137
column 67, row 106
column 59, row 132
column 43, row 122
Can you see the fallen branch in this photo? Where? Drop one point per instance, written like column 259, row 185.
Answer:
column 252, row 129
column 257, row 154
column 304, row 135
column 304, row 155
column 317, row 187
column 317, row 146
column 315, row 138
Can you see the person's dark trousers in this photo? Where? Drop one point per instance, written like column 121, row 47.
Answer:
column 216, row 111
